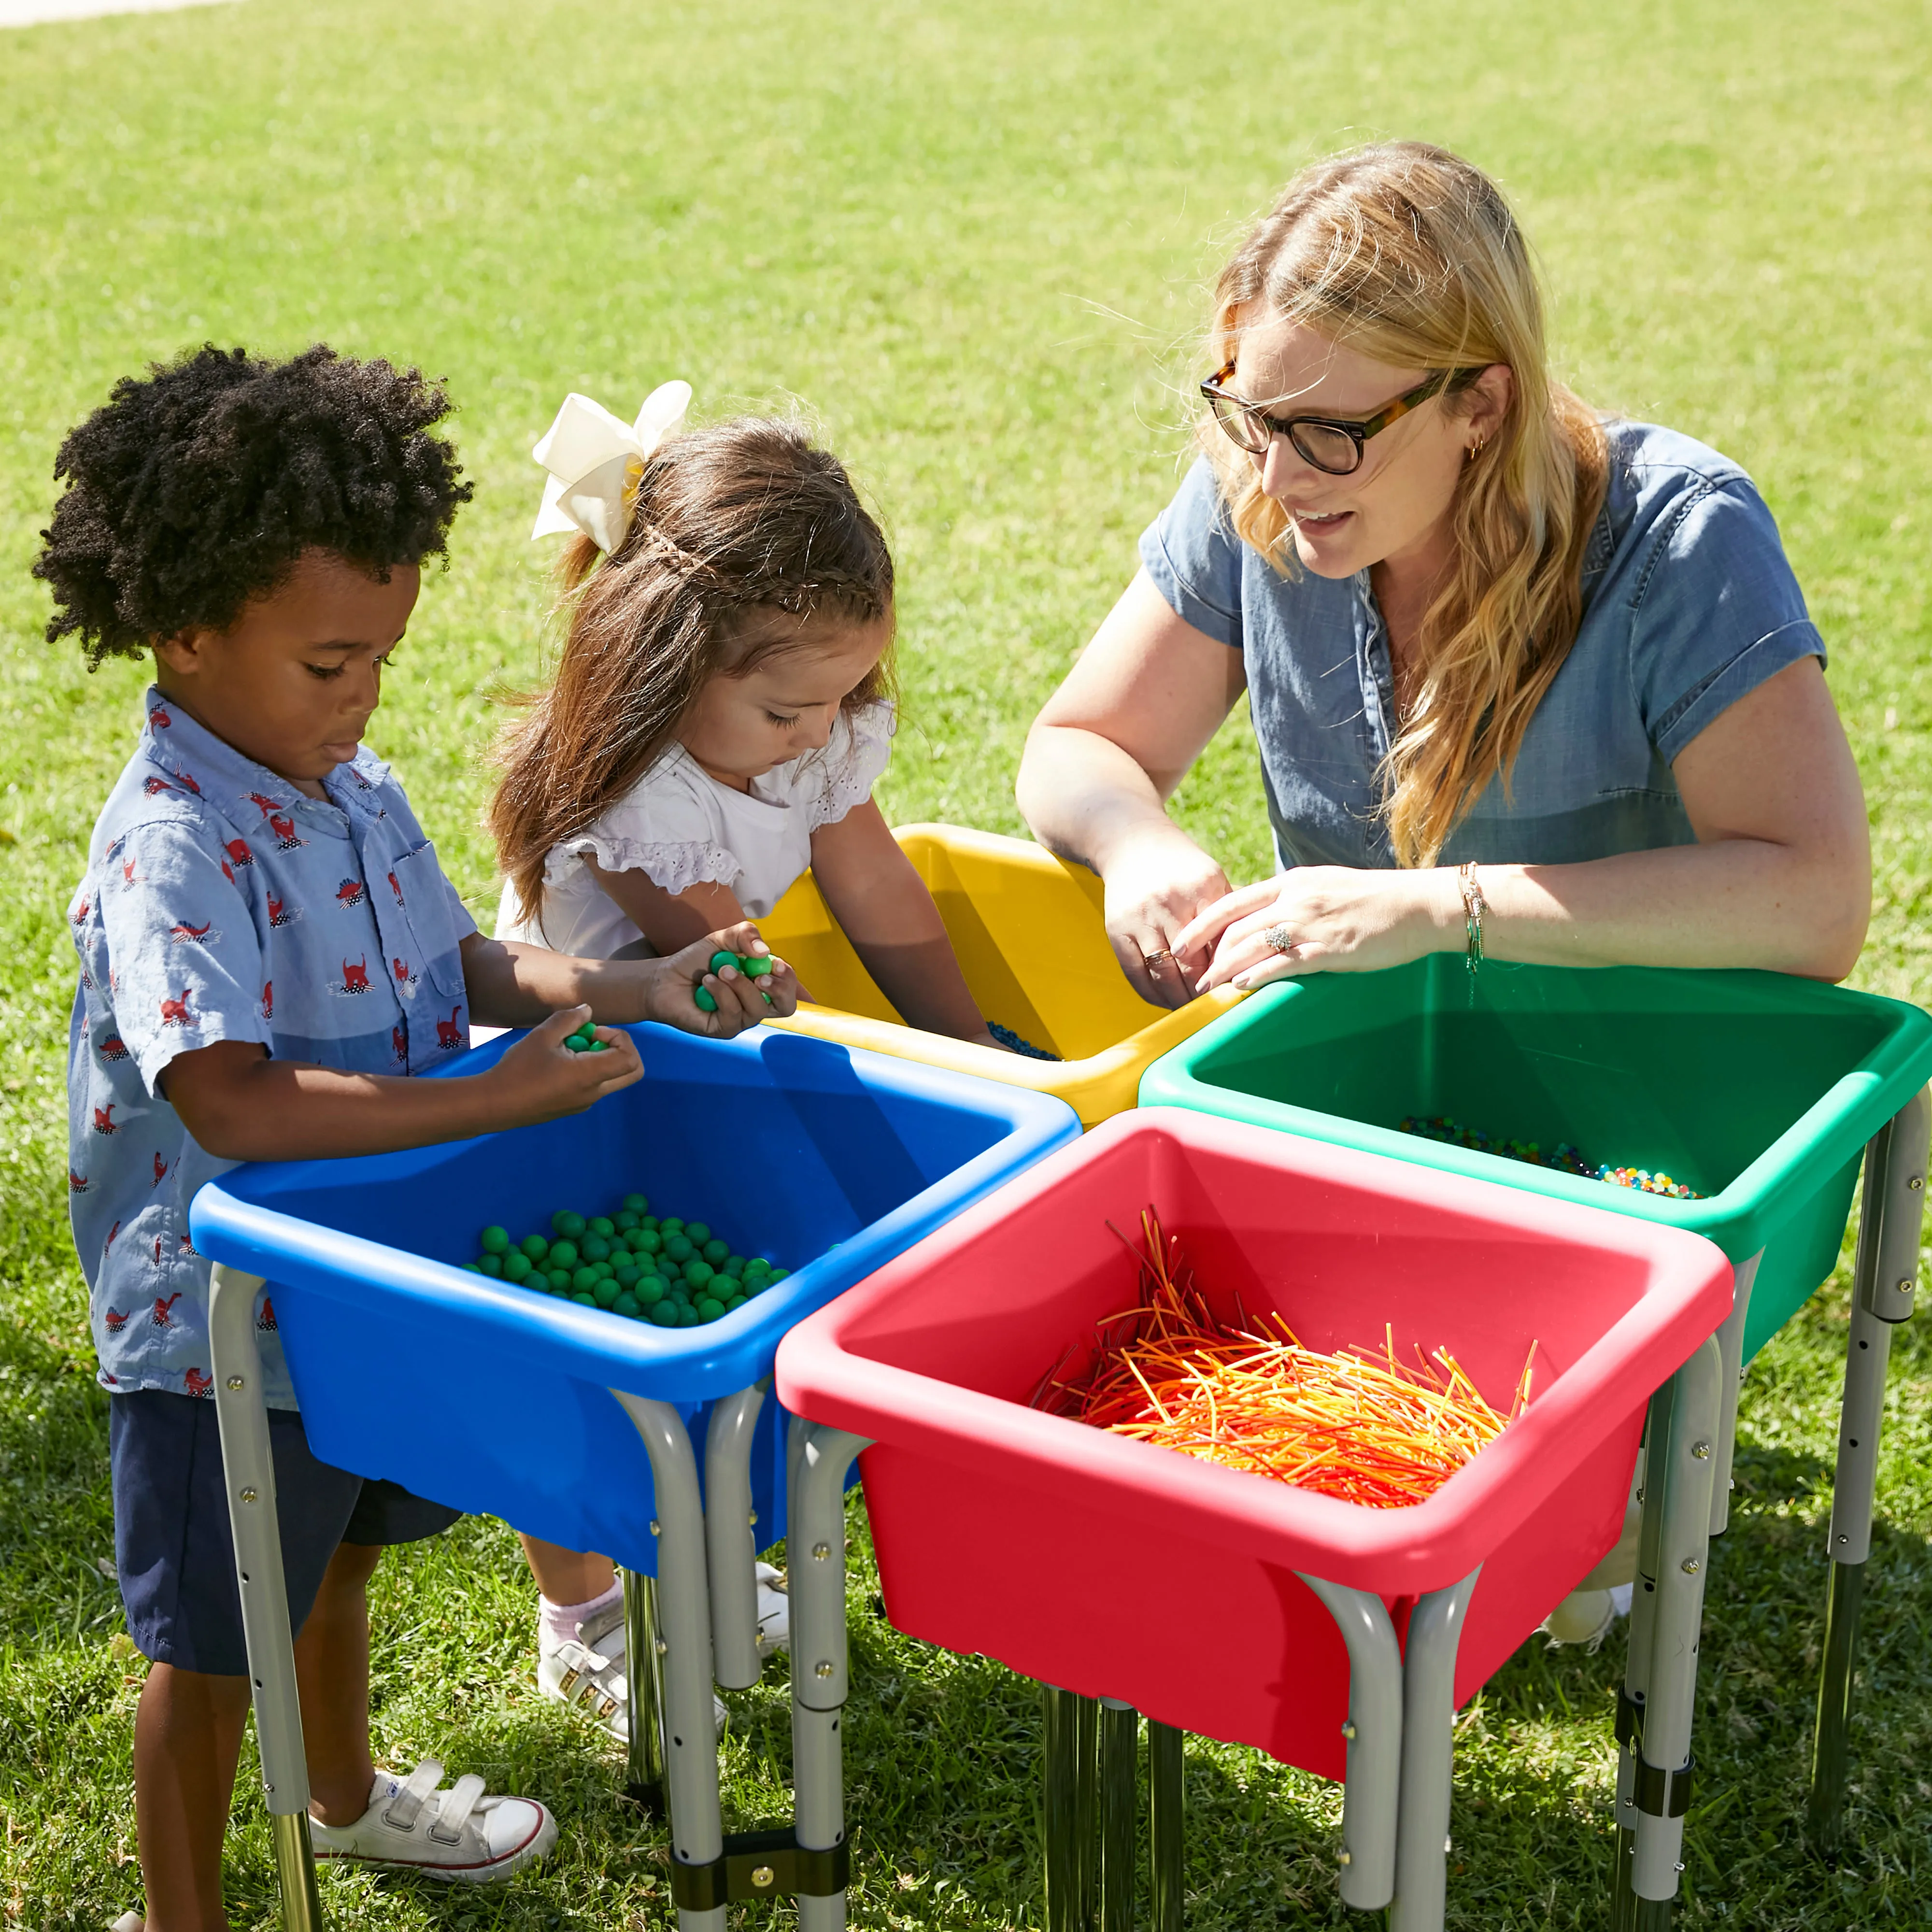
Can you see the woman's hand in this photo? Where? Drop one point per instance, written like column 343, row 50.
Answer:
column 1331, row 918
column 1158, row 888
column 670, row 986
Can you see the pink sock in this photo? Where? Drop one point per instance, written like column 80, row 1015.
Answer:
column 558, row 1622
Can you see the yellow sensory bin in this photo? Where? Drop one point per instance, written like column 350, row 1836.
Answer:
column 1029, row 936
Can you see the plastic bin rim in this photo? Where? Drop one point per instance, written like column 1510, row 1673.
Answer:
column 1869, row 1093
column 1393, row 1551
column 593, row 1344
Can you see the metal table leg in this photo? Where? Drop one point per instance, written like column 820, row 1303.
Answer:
column 731, row 1546
column 820, row 1673
column 1428, row 1756
column 1680, row 1466
column 1118, row 1760
column 1885, row 1281
column 248, row 1471
column 644, row 1768
column 1731, row 1348
column 1166, row 1824
column 1636, row 1670
column 1059, row 1838
column 1086, row 1721
column 1371, row 1792
column 690, row 1734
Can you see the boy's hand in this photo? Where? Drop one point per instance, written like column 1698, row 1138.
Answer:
column 540, row 1079
column 670, row 987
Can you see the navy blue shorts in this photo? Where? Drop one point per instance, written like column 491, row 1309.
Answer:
column 173, row 1545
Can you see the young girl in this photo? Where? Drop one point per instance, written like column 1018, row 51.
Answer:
column 722, row 709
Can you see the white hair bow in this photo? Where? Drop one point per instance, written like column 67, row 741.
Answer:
column 594, row 462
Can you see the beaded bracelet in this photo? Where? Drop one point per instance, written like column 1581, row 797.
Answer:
column 1474, row 906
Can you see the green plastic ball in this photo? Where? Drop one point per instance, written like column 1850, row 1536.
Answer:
column 594, row 1248
column 626, row 1305
column 585, row 1300
column 567, row 1224
column 696, row 1233
column 637, row 1203
column 491, row 1265
column 563, row 1254
column 646, row 1241
column 679, row 1248
column 697, row 1273
column 732, row 1306
column 710, row 1309
column 670, row 1225
column 625, row 1219
column 627, row 1275
column 649, row 1290
column 535, row 1246
column 584, row 1279
column 558, row 1279
column 601, row 1224
column 495, row 1240
column 758, row 964
column 779, row 1274
column 470, row 1267
column 722, row 959
column 664, row 1314
column 702, row 998
column 717, row 1252
column 604, row 1292
column 516, row 1264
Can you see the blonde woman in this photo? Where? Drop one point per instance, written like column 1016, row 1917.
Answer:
column 1496, row 646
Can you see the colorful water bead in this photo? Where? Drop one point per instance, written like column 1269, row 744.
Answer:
column 1563, row 1157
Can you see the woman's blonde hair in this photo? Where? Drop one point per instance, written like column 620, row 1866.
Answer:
column 740, row 534
column 1411, row 256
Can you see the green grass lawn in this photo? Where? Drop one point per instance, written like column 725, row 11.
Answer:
column 972, row 241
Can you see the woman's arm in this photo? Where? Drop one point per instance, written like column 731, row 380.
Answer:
column 1780, row 876
column 883, row 908
column 1106, row 755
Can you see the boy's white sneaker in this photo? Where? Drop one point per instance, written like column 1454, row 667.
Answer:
column 460, row 1834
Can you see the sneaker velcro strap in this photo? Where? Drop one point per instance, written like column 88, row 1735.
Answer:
column 402, row 1809
column 453, row 1814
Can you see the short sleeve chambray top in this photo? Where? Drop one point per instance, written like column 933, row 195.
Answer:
column 1689, row 604
column 221, row 904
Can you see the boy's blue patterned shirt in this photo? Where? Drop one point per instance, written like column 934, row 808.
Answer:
column 222, row 904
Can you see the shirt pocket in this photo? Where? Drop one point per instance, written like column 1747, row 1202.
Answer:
column 426, row 902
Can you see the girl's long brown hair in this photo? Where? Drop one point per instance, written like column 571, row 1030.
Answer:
column 1411, row 255
column 740, row 534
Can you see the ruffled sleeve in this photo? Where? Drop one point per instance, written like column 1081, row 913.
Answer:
column 860, row 749
column 666, row 827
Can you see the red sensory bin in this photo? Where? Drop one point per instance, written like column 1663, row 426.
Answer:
column 1114, row 1568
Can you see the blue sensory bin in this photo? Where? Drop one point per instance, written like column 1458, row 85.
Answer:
column 493, row 1398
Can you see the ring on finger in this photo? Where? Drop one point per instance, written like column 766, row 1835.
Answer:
column 1278, row 939
column 1155, row 960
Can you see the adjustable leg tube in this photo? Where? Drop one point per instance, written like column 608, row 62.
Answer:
column 644, row 1771
column 1119, row 1812
column 1086, row 1719
column 1681, row 1466
column 1731, row 1349
column 1059, row 1839
column 1637, row 1666
column 1886, row 1282
column 1166, row 1824
column 731, row 1546
column 248, row 1471
column 1428, row 1753
column 1371, row 1792
column 691, row 1733
column 820, row 1670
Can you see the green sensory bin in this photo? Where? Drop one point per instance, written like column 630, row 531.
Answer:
column 1757, row 1090
column 670, row 1273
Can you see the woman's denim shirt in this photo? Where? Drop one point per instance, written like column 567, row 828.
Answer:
column 1689, row 604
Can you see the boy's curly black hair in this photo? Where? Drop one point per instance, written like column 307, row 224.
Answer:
column 196, row 487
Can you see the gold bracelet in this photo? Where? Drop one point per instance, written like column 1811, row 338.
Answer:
column 1474, row 906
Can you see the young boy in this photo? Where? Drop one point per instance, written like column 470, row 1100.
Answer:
column 269, row 952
